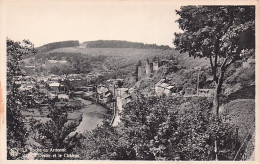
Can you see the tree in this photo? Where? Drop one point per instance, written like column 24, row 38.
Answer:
column 223, row 34
column 55, row 70
column 81, row 64
column 175, row 129
column 56, row 133
column 65, row 70
column 103, row 143
column 16, row 131
column 15, row 52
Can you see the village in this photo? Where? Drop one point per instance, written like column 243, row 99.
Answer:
column 67, row 93
column 46, row 93
column 88, row 100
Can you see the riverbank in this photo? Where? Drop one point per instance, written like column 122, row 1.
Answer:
column 92, row 116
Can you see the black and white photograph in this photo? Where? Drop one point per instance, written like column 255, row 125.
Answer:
column 128, row 80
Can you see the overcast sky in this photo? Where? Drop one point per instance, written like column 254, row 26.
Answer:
column 146, row 22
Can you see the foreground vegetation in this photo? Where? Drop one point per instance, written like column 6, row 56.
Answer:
column 163, row 129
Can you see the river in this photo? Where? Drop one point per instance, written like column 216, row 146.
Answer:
column 93, row 115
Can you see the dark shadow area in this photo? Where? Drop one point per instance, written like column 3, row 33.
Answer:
column 244, row 93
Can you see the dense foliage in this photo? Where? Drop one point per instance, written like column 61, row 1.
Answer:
column 162, row 129
column 223, row 34
column 54, row 45
column 76, row 62
column 16, row 131
column 55, row 133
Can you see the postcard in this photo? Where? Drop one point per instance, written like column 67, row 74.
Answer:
column 122, row 81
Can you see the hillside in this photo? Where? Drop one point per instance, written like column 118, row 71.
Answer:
column 242, row 117
column 121, row 54
column 122, row 44
column 55, row 45
column 121, row 63
column 118, row 58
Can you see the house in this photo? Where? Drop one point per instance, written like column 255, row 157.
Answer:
column 63, row 97
column 132, row 90
column 51, row 95
column 29, row 79
column 189, row 91
column 101, row 89
column 54, row 87
column 104, row 95
column 124, row 95
column 114, row 81
column 42, row 79
column 162, row 88
column 169, row 90
column 54, row 78
column 107, row 97
column 88, row 95
column 89, row 92
column 120, row 91
column 55, row 63
column 122, row 98
column 206, row 92
column 111, row 87
column 26, row 87
column 75, row 77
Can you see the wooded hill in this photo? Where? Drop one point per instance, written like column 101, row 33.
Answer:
column 54, row 45
column 123, row 44
column 100, row 44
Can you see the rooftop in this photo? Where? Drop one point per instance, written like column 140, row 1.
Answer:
column 54, row 84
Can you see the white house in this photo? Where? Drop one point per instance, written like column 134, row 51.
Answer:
column 54, row 87
column 162, row 88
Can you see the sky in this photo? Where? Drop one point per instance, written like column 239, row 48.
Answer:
column 45, row 22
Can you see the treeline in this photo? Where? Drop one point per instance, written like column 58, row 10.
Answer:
column 68, row 56
column 54, row 45
column 123, row 44
column 57, row 55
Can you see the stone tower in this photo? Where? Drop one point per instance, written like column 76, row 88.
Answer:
column 147, row 68
column 140, row 72
column 155, row 66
